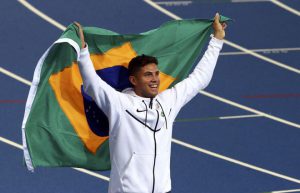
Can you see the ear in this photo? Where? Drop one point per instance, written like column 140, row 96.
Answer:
column 132, row 80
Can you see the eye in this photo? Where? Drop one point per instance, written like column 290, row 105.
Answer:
column 148, row 74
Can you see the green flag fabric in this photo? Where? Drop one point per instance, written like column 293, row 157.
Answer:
column 62, row 125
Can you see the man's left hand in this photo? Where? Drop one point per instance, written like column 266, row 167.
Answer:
column 219, row 28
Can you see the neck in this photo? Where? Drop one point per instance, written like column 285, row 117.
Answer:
column 140, row 94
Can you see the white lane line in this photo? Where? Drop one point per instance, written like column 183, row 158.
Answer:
column 42, row 15
column 12, row 75
column 210, row 153
column 19, row 146
column 198, row 149
column 178, row 18
column 280, row 64
column 92, row 174
column 243, row 49
column 235, row 161
column 265, row 51
column 286, row 191
column 278, row 119
column 240, row 116
column 284, row 6
column 163, row 10
column 276, row 2
column 156, row 6
column 174, row 3
column 170, row 3
column 9, row 142
column 216, row 118
column 260, row 113
column 248, row 1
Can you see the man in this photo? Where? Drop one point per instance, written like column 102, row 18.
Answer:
column 141, row 118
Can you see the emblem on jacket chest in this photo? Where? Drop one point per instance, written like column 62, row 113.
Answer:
column 157, row 107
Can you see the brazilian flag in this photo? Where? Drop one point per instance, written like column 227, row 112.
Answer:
column 62, row 125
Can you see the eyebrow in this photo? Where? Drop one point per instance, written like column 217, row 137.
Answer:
column 150, row 72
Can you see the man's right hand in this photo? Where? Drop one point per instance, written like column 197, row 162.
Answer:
column 80, row 34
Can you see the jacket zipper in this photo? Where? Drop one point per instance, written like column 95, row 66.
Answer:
column 155, row 151
column 154, row 138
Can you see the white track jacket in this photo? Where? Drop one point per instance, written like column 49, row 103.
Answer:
column 140, row 129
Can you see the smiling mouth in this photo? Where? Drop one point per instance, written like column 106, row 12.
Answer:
column 154, row 86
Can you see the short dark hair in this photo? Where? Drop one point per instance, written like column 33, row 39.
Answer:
column 140, row 61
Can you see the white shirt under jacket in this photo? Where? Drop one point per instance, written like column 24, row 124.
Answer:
column 140, row 129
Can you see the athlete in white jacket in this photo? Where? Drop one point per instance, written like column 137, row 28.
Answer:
column 141, row 119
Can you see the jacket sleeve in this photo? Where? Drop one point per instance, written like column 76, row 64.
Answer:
column 185, row 90
column 106, row 97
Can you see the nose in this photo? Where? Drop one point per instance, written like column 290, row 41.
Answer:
column 155, row 78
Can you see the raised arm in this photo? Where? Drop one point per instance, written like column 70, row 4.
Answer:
column 185, row 90
column 102, row 93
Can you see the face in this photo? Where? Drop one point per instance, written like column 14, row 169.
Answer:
column 146, row 81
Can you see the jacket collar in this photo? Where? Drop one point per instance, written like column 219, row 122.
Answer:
column 131, row 92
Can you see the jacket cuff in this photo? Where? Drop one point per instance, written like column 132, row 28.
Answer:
column 84, row 52
column 216, row 42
